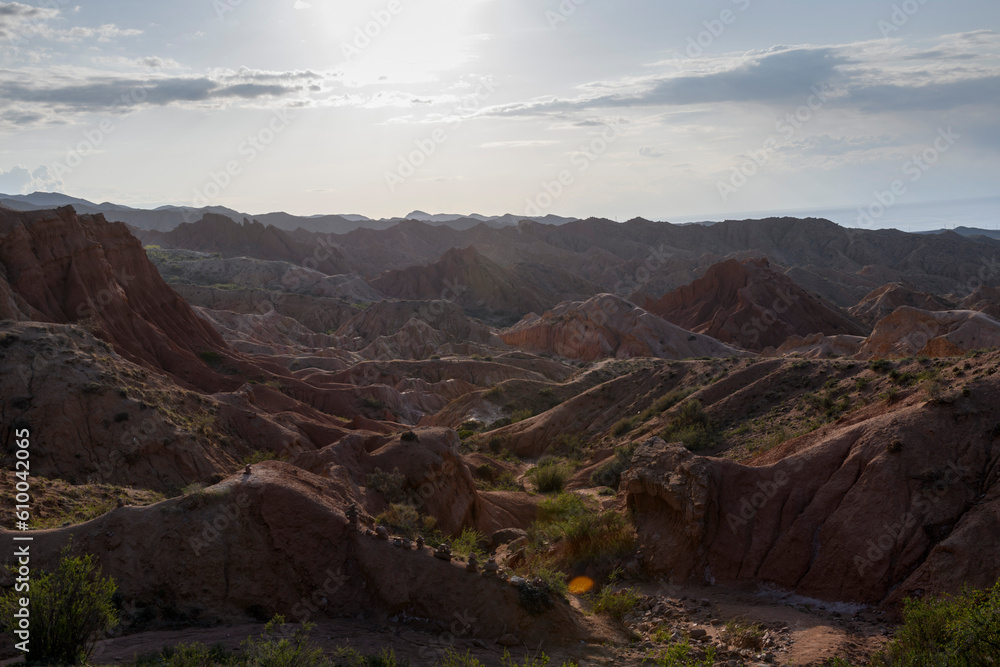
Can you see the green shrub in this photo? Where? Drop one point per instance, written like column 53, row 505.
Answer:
column 270, row 649
column 405, row 520
column 550, row 477
column 453, row 658
column 692, row 427
column 624, row 426
column 616, row 603
column 186, row 655
column 211, row 358
column 744, row 635
column 259, row 456
column 610, row 473
column 349, row 657
column 593, row 536
column 409, row 436
column 681, row 655
column 70, row 608
column 469, row 542
column 880, row 366
column 389, row 484
column 960, row 631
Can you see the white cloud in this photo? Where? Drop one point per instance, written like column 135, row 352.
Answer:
column 21, row 181
column 301, row 4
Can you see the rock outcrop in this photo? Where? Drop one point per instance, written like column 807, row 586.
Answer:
column 221, row 234
column 910, row 331
column 888, row 505
column 886, row 299
column 609, row 326
column 65, row 268
column 751, row 305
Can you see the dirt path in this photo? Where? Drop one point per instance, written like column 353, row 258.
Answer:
column 799, row 632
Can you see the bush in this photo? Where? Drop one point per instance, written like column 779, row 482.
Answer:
column 389, row 484
column 610, row 473
column 957, row 631
column 880, row 366
column 70, row 608
column 409, row 436
column 744, row 635
column 271, row 649
column 616, row 603
column 692, row 427
column 549, row 477
column 682, row 655
column 469, row 542
column 405, row 520
column 624, row 426
column 211, row 358
column 453, row 658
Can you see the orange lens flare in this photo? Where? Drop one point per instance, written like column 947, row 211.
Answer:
column 581, row 585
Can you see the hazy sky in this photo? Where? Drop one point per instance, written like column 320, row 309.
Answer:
column 653, row 108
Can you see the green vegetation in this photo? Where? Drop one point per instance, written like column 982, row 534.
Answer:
column 624, row 426
column 70, row 608
column 469, row 542
column 610, row 473
column 682, row 655
column 406, row 521
column 549, row 475
column 744, row 635
column 665, row 402
column 960, row 631
column 259, row 456
column 389, row 484
column 616, row 603
column 692, row 427
column 590, row 537
column 211, row 358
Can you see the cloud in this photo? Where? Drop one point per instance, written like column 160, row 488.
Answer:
column 21, row 181
column 650, row 151
column 301, row 4
column 877, row 76
column 66, row 92
column 21, row 22
column 776, row 76
column 519, row 144
column 17, row 21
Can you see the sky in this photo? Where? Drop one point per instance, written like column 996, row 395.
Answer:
column 659, row 109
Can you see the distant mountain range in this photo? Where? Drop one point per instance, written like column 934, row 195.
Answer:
column 166, row 218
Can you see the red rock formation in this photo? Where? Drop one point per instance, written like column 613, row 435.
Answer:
column 277, row 540
column 609, row 326
column 886, row 299
column 221, row 234
column 480, row 286
column 868, row 510
column 751, row 305
column 67, row 268
column 909, row 331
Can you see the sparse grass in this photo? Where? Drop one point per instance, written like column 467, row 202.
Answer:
column 682, row 655
column 259, row 456
column 505, row 481
column 616, row 603
column 665, row 402
column 742, row 635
